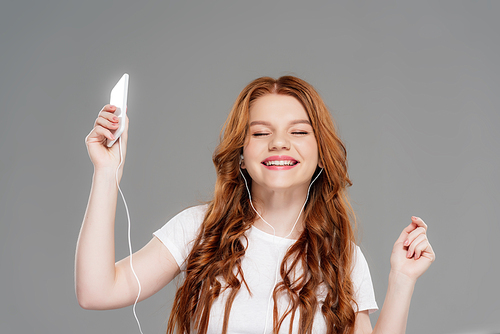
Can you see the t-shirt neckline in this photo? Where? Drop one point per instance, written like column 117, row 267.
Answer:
column 270, row 237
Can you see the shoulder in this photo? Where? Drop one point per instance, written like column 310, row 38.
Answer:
column 196, row 213
column 186, row 223
column 358, row 261
column 362, row 282
column 179, row 233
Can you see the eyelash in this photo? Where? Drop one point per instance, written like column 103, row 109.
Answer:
column 261, row 134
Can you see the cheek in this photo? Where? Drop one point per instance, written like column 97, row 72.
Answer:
column 252, row 150
column 314, row 155
column 309, row 149
column 249, row 154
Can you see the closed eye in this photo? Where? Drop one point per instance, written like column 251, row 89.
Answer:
column 300, row 132
column 260, row 134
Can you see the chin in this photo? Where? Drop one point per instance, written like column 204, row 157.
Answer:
column 283, row 185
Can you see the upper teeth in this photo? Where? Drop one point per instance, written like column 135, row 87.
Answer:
column 280, row 163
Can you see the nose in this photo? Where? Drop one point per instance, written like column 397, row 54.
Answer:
column 279, row 142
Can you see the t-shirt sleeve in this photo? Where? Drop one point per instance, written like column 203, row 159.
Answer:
column 362, row 282
column 179, row 233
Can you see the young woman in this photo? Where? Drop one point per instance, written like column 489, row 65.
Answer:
column 274, row 251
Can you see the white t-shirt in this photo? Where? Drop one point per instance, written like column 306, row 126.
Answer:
column 263, row 255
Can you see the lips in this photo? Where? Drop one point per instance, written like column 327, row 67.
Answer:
column 280, row 162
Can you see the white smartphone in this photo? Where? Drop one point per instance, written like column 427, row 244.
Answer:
column 118, row 98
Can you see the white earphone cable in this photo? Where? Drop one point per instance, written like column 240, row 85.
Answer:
column 129, row 238
column 274, row 235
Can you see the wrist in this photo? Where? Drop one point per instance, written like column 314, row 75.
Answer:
column 106, row 173
column 401, row 279
column 394, row 314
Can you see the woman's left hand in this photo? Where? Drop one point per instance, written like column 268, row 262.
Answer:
column 412, row 253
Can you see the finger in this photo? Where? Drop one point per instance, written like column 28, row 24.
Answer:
column 109, row 108
column 419, row 222
column 106, row 123
column 420, row 249
column 415, row 223
column 402, row 237
column 424, row 249
column 99, row 133
column 428, row 252
column 411, row 248
column 406, row 231
column 413, row 235
column 107, row 116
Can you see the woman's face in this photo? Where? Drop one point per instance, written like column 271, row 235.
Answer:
column 281, row 152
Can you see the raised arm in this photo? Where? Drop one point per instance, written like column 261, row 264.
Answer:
column 412, row 255
column 99, row 282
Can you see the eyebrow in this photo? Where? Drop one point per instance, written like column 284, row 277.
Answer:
column 297, row 121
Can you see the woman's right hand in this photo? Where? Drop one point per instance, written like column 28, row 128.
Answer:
column 100, row 282
column 104, row 157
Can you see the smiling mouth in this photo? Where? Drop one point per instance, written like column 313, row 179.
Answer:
column 280, row 162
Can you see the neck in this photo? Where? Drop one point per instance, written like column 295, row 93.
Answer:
column 280, row 207
column 282, row 210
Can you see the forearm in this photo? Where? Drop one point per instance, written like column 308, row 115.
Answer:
column 95, row 252
column 394, row 313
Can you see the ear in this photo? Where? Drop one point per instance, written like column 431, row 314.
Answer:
column 320, row 164
column 242, row 162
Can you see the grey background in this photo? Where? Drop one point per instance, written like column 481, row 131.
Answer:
column 413, row 88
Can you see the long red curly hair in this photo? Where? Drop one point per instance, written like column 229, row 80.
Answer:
column 323, row 254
